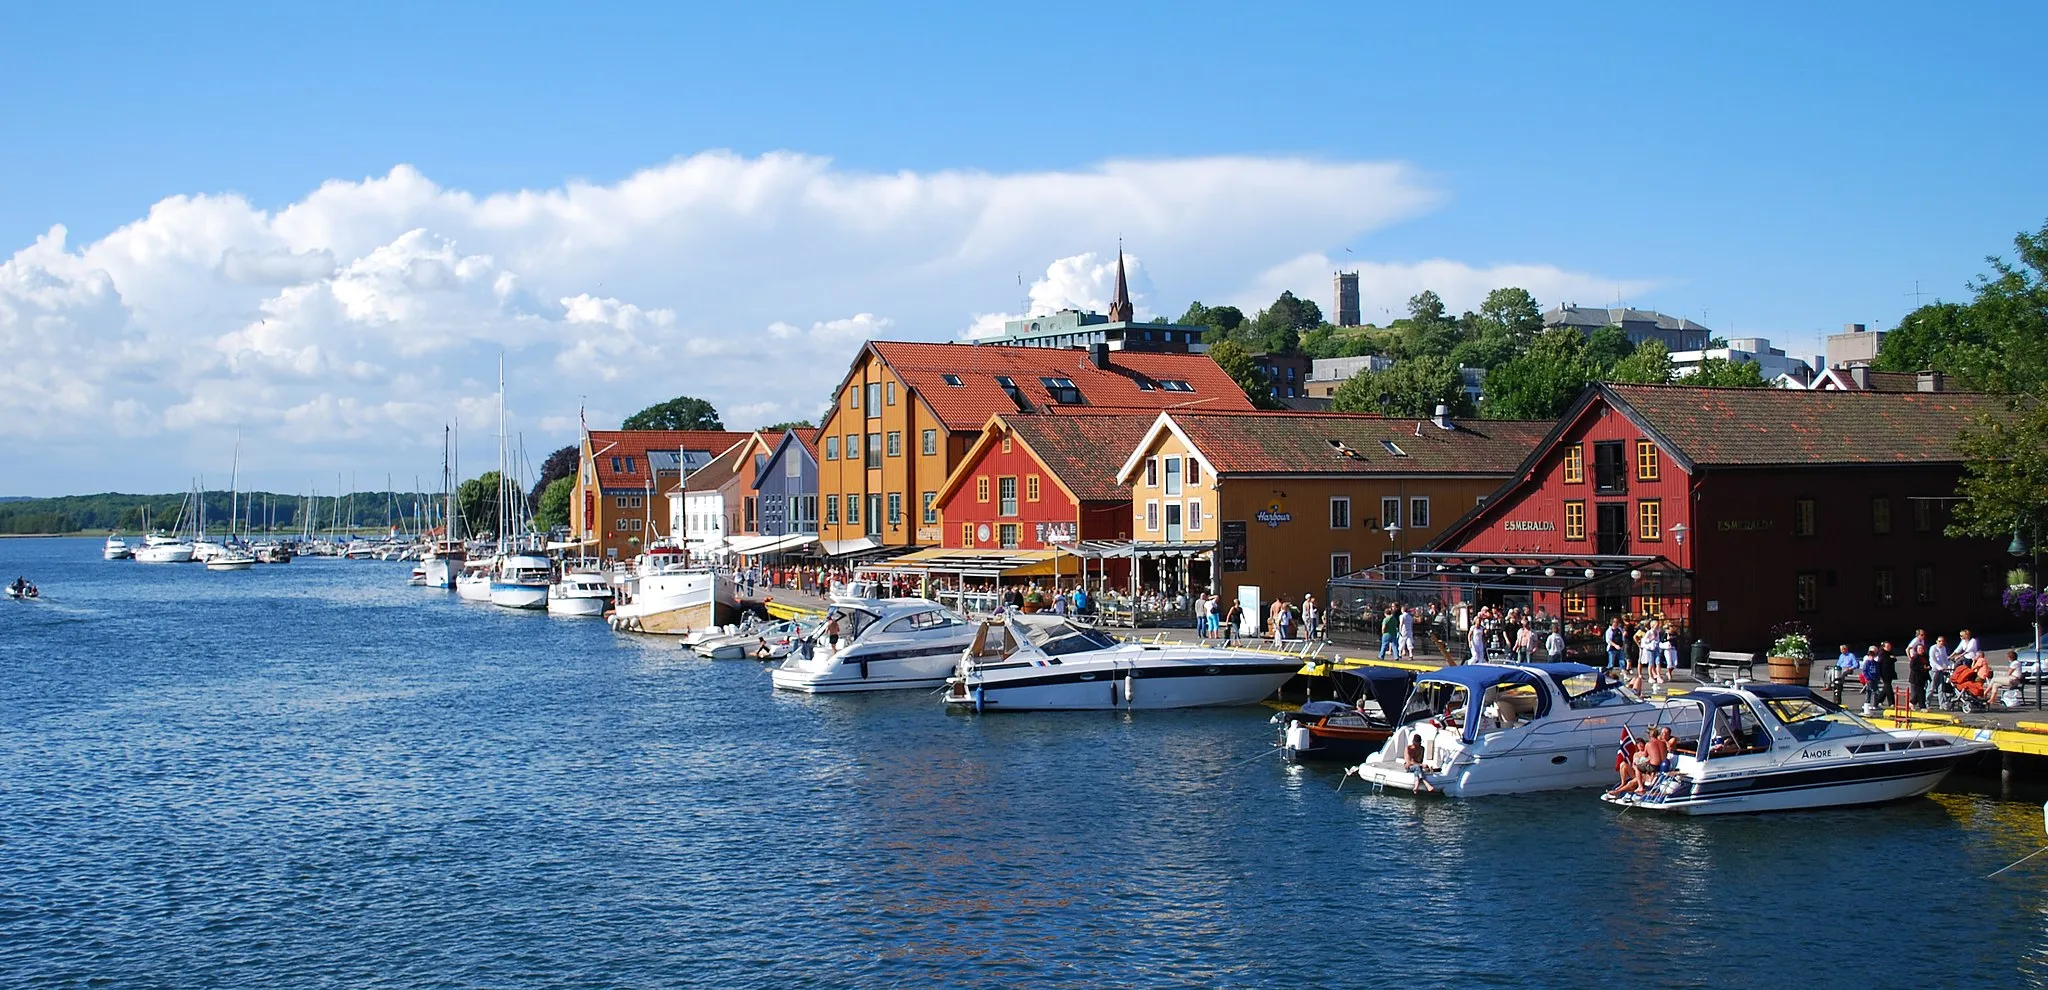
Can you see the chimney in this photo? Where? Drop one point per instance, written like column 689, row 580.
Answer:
column 1098, row 354
column 1859, row 376
column 1442, row 419
column 1930, row 381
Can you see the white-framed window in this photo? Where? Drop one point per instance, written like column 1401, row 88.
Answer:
column 1195, row 514
column 1173, row 476
column 1340, row 564
column 1152, row 515
column 791, row 467
column 1340, row 512
column 931, row 442
column 1418, row 512
column 889, row 390
column 1390, row 511
column 1194, row 471
column 1151, row 472
column 895, row 443
column 831, row 448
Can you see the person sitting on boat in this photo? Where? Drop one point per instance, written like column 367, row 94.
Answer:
column 1627, row 766
column 20, row 586
column 1656, row 756
column 1412, row 761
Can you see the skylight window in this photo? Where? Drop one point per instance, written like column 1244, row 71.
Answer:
column 1393, row 448
column 1004, row 381
column 953, row 380
column 1144, row 386
column 1175, row 385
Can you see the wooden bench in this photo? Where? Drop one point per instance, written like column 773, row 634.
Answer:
column 1744, row 664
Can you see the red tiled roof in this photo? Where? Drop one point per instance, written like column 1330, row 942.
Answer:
column 607, row 444
column 1746, row 427
column 1117, row 388
column 1301, row 443
column 1083, row 451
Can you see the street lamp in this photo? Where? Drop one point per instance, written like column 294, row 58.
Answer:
column 2019, row 547
column 1678, row 533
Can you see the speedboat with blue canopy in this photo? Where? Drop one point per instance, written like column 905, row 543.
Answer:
column 1349, row 729
column 1489, row 728
column 1772, row 747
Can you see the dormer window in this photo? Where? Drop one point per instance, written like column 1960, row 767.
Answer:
column 1062, row 390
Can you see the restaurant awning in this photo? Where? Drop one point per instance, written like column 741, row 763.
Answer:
column 979, row 563
column 756, row 545
column 847, row 548
column 1115, row 549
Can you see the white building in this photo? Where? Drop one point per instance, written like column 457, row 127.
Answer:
column 705, row 507
column 1770, row 361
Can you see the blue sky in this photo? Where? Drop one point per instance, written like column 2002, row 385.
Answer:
column 1766, row 169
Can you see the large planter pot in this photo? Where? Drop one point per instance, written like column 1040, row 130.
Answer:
column 1030, row 606
column 1790, row 670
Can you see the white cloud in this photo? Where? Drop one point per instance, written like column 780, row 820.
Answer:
column 342, row 330
column 1084, row 281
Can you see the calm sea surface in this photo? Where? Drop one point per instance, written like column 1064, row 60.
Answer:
column 313, row 775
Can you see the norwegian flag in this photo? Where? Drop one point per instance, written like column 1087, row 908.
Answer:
column 1627, row 754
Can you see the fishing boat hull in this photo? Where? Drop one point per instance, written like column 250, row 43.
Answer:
column 440, row 572
column 586, row 606
column 675, row 604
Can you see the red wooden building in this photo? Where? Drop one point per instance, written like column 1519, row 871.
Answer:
column 1030, row 482
column 1729, row 511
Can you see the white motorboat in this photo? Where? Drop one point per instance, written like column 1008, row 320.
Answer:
column 1489, row 728
column 204, row 550
column 116, row 548
column 158, row 549
column 521, row 580
column 234, row 558
column 1041, row 662
column 1772, row 747
column 757, row 641
column 580, row 593
column 676, row 601
column 884, row 644
column 474, row 583
column 21, row 590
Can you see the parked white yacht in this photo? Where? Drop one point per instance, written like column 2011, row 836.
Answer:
column 1772, row 747
column 674, row 601
column 160, row 549
column 580, row 593
column 522, row 580
column 116, row 548
column 885, row 644
column 443, row 564
column 1041, row 662
column 231, row 558
column 474, row 583
column 1510, row 728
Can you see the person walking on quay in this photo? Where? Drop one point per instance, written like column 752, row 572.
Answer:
column 1888, row 670
column 1967, row 651
column 1202, row 615
column 1390, row 632
column 1476, row 641
column 1404, row 647
column 1525, row 644
column 1553, row 645
column 1917, row 667
column 1871, row 673
column 1233, row 620
column 1939, row 668
column 1311, row 620
column 1614, row 638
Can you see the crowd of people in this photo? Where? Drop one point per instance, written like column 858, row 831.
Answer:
column 1937, row 675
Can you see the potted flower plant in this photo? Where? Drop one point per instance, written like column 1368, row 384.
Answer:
column 1034, row 601
column 1791, row 654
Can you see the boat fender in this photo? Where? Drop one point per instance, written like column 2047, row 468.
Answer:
column 1299, row 740
column 1130, row 687
column 863, row 670
column 977, row 711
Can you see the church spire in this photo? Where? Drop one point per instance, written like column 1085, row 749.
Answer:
column 1120, row 310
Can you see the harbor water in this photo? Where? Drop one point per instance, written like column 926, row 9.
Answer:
column 312, row 775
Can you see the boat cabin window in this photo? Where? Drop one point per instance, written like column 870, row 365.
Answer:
column 1505, row 706
column 1437, row 700
column 1810, row 718
column 853, row 623
column 921, row 621
column 1063, row 638
column 1738, row 729
column 1593, row 689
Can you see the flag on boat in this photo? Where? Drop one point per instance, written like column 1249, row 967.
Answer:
column 1627, row 754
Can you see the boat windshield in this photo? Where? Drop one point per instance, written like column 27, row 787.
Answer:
column 1594, row 689
column 1434, row 699
column 1810, row 718
column 1062, row 638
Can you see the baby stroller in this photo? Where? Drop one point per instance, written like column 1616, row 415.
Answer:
column 1964, row 693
